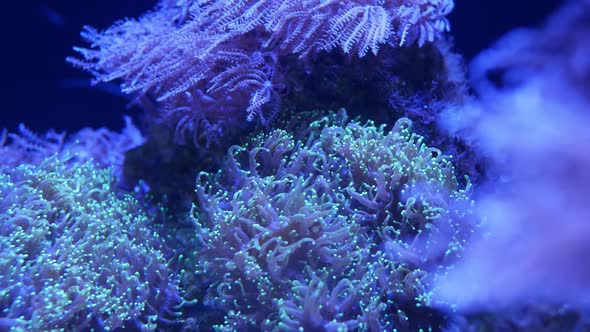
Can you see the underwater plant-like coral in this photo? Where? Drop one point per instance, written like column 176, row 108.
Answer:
column 104, row 147
column 337, row 228
column 26, row 147
column 533, row 126
column 211, row 64
column 76, row 256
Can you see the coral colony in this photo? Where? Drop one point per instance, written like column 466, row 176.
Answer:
column 313, row 165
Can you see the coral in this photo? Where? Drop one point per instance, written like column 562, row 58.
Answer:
column 104, row 147
column 337, row 227
column 212, row 64
column 75, row 255
column 26, row 147
column 530, row 120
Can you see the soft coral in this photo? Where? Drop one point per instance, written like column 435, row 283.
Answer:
column 183, row 49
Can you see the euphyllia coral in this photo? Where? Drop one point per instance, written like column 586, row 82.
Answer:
column 75, row 255
column 446, row 194
column 336, row 228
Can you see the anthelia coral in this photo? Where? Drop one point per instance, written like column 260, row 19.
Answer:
column 76, row 256
column 105, row 148
column 209, row 65
column 336, row 227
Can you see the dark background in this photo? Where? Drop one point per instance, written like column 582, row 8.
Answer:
column 39, row 89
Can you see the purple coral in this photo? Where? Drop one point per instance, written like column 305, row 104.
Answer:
column 336, row 227
column 531, row 121
column 76, row 256
column 104, row 147
column 212, row 64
